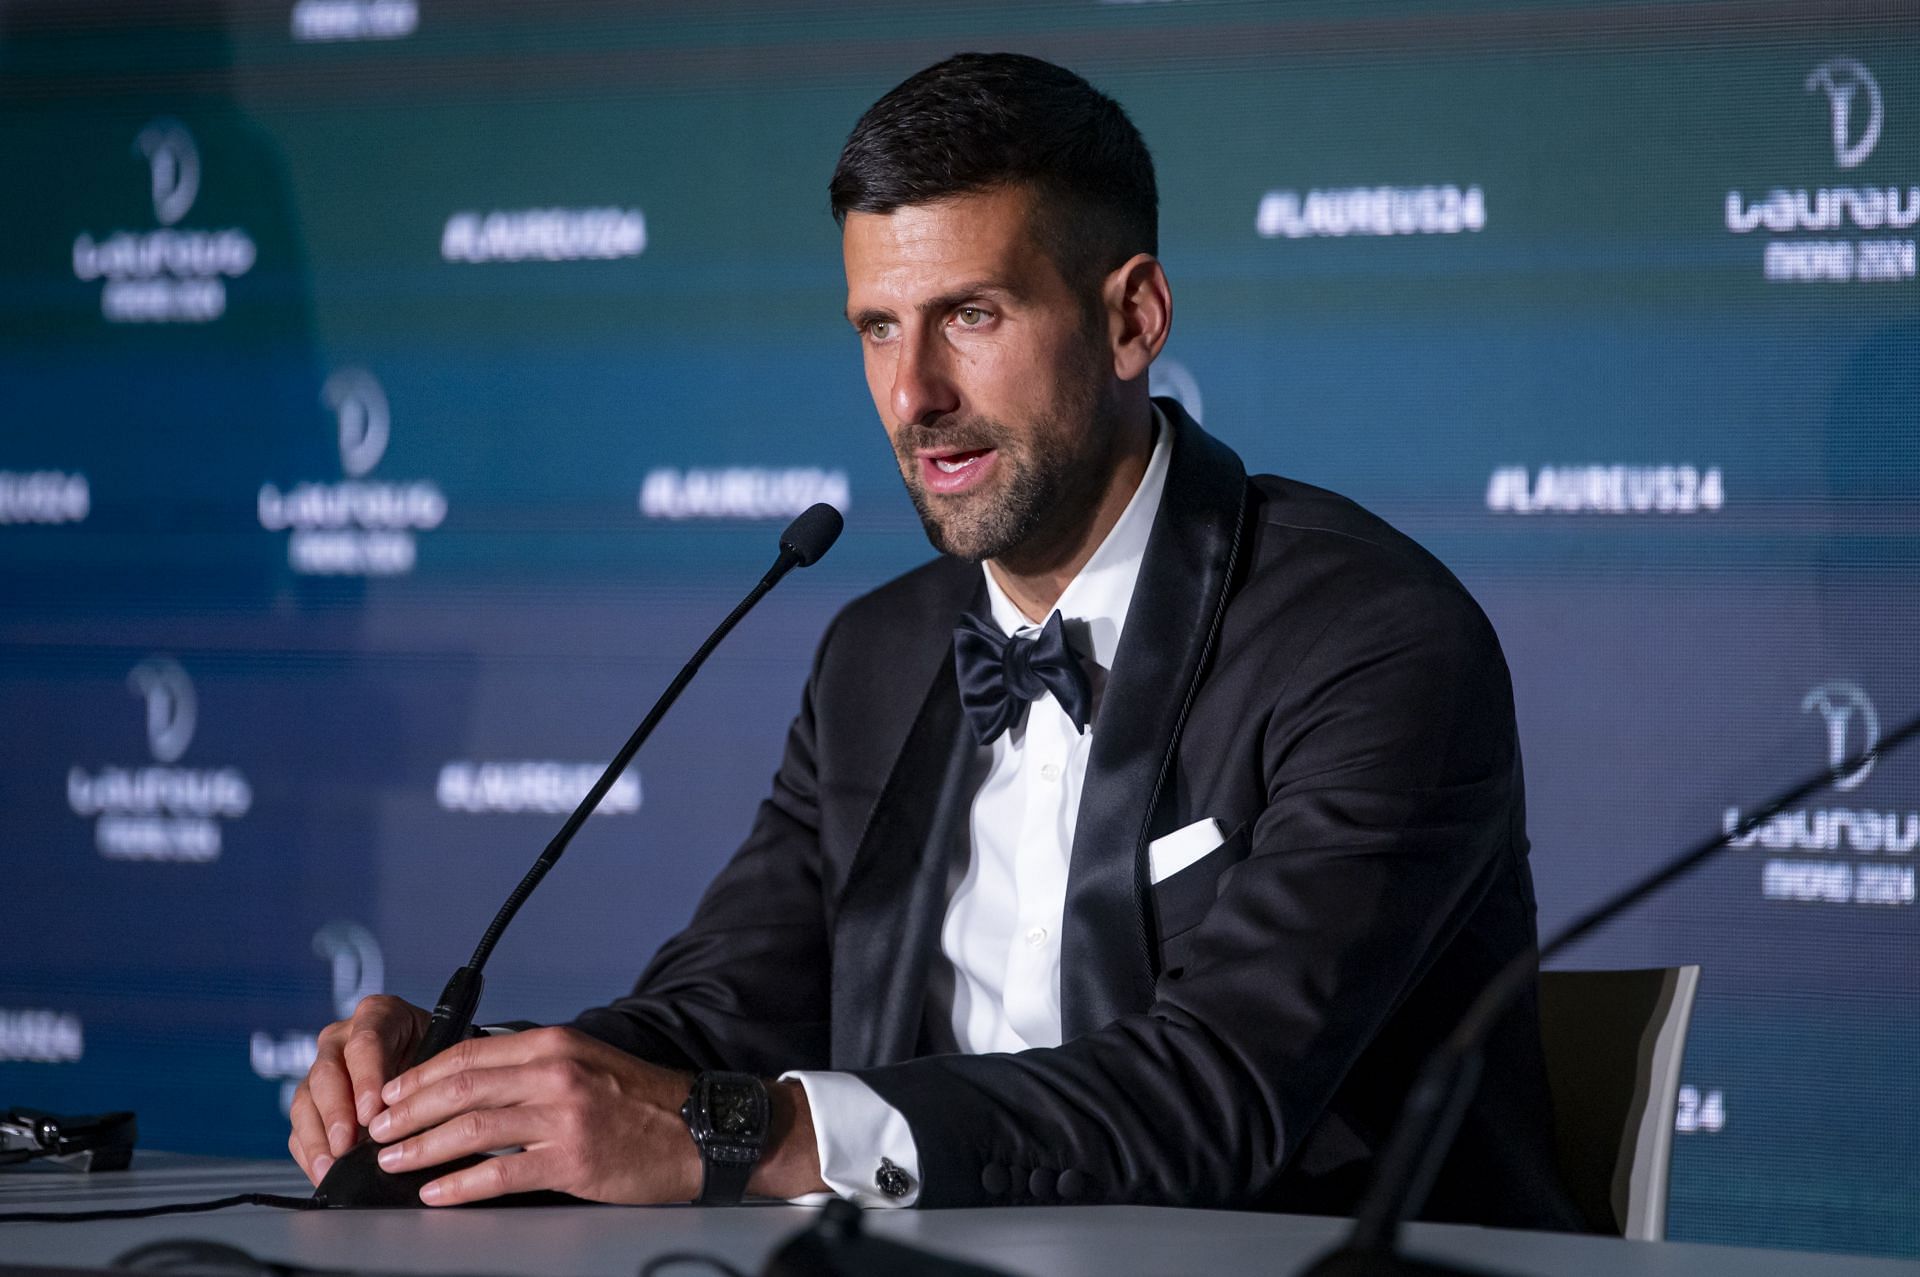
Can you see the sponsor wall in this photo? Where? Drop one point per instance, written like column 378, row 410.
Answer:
column 392, row 394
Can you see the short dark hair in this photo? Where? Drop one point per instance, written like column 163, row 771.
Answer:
column 979, row 121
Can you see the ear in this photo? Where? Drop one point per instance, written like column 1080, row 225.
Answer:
column 1139, row 314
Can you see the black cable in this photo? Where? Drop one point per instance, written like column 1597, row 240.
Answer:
column 147, row 1212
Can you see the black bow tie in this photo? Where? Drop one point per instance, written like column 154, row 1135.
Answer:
column 999, row 675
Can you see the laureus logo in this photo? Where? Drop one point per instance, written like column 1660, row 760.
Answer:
column 354, row 957
column 173, row 274
column 1804, row 845
column 360, row 406
column 175, row 164
column 361, row 526
column 1882, row 212
column 172, row 711
column 159, row 811
column 1841, row 705
column 1849, row 85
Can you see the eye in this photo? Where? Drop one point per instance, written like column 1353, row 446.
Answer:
column 970, row 316
column 879, row 330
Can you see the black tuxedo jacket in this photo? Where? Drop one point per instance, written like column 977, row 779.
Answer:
column 1241, row 1034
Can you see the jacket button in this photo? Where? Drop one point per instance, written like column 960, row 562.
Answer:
column 1072, row 1184
column 996, row 1181
column 1040, row 1183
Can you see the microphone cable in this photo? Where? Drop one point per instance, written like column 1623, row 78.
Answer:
column 169, row 1208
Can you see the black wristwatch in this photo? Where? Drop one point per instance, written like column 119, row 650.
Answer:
column 727, row 1113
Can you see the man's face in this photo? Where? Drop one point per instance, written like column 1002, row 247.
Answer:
column 988, row 371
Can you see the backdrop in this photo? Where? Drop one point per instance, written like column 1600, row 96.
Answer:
column 392, row 393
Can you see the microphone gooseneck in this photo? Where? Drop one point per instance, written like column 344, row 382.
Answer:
column 806, row 539
column 1437, row 1102
column 356, row 1179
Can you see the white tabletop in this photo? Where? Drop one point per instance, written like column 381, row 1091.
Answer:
column 613, row 1241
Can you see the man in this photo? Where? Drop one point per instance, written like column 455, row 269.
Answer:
column 1163, row 899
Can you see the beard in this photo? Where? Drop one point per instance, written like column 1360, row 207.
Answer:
column 1050, row 476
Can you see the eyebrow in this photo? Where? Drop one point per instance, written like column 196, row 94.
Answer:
column 945, row 301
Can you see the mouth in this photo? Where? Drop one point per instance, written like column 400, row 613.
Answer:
column 951, row 472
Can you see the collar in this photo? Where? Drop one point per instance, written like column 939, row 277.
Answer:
column 1101, row 593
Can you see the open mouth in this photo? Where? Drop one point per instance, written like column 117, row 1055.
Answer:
column 954, row 463
column 951, row 472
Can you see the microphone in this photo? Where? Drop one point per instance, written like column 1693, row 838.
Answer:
column 1435, row 1106
column 356, row 1179
column 807, row 538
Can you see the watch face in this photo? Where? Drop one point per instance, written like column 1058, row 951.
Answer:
column 733, row 1111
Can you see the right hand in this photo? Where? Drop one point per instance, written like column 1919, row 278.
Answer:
column 341, row 1095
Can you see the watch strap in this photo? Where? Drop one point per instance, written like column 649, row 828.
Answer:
column 725, row 1182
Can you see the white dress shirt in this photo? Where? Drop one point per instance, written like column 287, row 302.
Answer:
column 1001, row 936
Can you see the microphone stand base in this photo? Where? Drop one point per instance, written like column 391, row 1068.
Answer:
column 357, row 1182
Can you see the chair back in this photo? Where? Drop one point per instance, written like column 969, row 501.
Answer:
column 1614, row 1044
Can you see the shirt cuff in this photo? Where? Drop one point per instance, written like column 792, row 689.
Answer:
column 858, row 1136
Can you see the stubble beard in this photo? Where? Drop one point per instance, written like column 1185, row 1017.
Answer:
column 1050, row 477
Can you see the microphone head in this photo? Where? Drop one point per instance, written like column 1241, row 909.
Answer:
column 812, row 534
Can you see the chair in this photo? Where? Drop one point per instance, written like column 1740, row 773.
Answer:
column 1614, row 1043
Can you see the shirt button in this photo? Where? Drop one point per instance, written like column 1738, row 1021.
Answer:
column 1036, row 937
column 1050, row 773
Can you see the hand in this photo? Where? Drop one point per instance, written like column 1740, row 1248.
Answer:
column 588, row 1119
column 342, row 1091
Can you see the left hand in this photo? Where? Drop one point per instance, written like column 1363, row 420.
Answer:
column 589, row 1119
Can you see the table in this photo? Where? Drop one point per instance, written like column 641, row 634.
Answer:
column 605, row 1241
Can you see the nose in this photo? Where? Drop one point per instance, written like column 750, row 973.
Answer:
column 923, row 387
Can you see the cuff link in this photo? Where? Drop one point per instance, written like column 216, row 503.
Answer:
column 891, row 1180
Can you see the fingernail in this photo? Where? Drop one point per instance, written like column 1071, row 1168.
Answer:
column 390, row 1157
column 321, row 1165
column 391, row 1091
column 378, row 1127
column 340, row 1136
column 431, row 1192
column 366, row 1106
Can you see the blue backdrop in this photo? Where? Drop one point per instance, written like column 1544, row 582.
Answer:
column 392, row 392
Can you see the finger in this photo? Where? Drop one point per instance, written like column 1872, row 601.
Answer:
column 314, row 1168
column 483, row 1053
column 466, row 1091
column 496, row 1176
column 309, row 1140
column 372, row 1053
column 332, row 1100
column 299, row 1155
column 478, row 1131
column 334, row 1127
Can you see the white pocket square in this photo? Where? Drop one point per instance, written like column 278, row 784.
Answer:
column 1169, row 855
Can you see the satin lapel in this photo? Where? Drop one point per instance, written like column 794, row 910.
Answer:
column 890, row 912
column 1106, row 970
